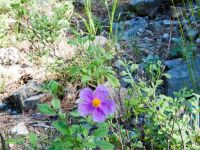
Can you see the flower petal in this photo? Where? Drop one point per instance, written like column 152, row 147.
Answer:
column 85, row 108
column 98, row 115
column 101, row 92
column 86, row 94
column 108, row 107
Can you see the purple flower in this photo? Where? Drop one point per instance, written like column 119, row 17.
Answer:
column 96, row 103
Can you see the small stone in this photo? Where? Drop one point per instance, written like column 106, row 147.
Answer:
column 141, row 30
column 184, row 21
column 169, row 22
column 158, row 25
column 147, row 40
column 176, row 12
column 24, row 45
column 11, row 22
column 100, row 41
column 192, row 18
column 13, row 113
column 64, row 51
column 198, row 41
column 192, row 33
column 165, row 36
column 2, row 106
column 20, row 129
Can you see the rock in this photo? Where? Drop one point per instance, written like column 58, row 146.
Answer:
column 173, row 63
column 16, row 100
column 165, row 36
column 64, row 50
column 99, row 41
column 19, row 129
column 184, row 75
column 157, row 26
column 9, row 56
column 176, row 12
column 184, row 22
column 170, row 22
column 198, row 41
column 81, row 2
column 2, row 106
column 11, row 22
column 129, row 29
column 119, row 95
column 146, row 7
column 24, row 45
column 192, row 33
column 31, row 102
column 10, row 74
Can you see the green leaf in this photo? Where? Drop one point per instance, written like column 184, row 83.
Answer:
column 123, row 73
column 55, row 103
column 159, row 82
column 113, row 81
column 33, row 139
column 137, row 145
column 61, row 127
column 120, row 62
column 105, row 145
column 85, row 79
column 55, row 88
column 89, row 144
column 102, row 130
column 18, row 140
column 46, row 109
column 167, row 75
column 75, row 114
column 62, row 115
column 134, row 67
column 129, row 81
column 75, row 128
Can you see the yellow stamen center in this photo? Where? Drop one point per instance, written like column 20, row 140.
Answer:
column 96, row 102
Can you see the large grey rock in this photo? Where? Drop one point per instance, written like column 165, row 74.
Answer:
column 174, row 63
column 129, row 29
column 184, row 74
column 9, row 56
column 31, row 102
column 22, row 97
column 147, row 7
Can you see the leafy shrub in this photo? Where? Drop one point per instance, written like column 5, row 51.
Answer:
column 162, row 121
column 90, row 65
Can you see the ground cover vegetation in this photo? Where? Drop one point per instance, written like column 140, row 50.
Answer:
column 146, row 118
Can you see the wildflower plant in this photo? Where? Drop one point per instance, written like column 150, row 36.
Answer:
column 84, row 133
